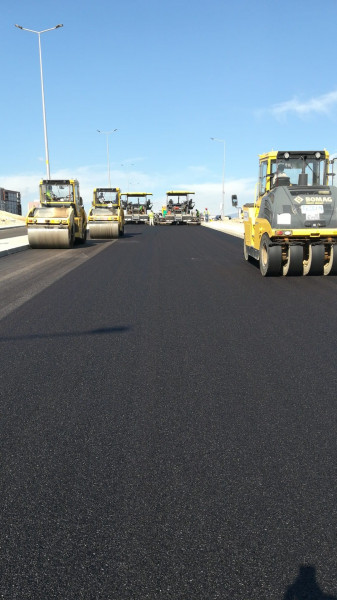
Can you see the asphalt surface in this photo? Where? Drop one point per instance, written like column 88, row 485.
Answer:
column 10, row 232
column 168, row 424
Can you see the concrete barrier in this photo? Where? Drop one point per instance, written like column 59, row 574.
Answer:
column 14, row 244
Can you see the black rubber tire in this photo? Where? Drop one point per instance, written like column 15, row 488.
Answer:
column 294, row 265
column 83, row 239
column 72, row 237
column 317, row 260
column 270, row 258
column 245, row 252
column 331, row 267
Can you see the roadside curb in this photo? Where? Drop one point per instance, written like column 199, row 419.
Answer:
column 3, row 227
column 14, row 250
column 234, row 230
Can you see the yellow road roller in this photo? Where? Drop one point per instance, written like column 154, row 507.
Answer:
column 291, row 228
column 106, row 216
column 60, row 220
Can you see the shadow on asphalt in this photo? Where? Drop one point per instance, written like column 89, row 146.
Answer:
column 305, row 586
column 129, row 234
column 65, row 334
column 254, row 263
column 94, row 242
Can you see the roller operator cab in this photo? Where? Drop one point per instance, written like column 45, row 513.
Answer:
column 136, row 205
column 291, row 228
column 106, row 216
column 179, row 209
column 61, row 219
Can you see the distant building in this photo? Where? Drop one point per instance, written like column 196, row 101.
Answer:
column 10, row 201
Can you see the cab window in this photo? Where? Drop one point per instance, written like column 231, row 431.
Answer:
column 77, row 193
column 263, row 177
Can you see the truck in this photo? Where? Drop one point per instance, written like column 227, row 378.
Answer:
column 179, row 209
column 136, row 205
column 60, row 220
column 106, row 216
column 291, row 228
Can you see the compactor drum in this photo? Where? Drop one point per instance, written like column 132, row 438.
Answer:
column 291, row 228
column 179, row 209
column 61, row 219
column 136, row 206
column 106, row 216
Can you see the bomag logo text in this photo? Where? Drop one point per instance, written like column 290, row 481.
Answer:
column 318, row 200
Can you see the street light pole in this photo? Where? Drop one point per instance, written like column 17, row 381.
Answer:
column 107, row 133
column 223, row 174
column 127, row 172
column 42, row 90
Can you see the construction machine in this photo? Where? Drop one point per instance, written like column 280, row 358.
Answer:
column 136, row 205
column 178, row 209
column 61, row 219
column 106, row 216
column 291, row 228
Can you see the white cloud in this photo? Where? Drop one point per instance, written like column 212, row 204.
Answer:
column 89, row 177
column 321, row 105
column 209, row 195
column 198, row 170
column 206, row 194
column 26, row 184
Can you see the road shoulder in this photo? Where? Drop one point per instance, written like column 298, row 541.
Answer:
column 231, row 226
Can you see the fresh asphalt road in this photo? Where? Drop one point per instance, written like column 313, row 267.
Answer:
column 11, row 232
column 168, row 424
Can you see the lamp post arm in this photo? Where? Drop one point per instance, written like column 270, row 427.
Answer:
column 42, row 89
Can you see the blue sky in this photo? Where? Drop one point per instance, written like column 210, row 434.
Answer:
column 168, row 75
